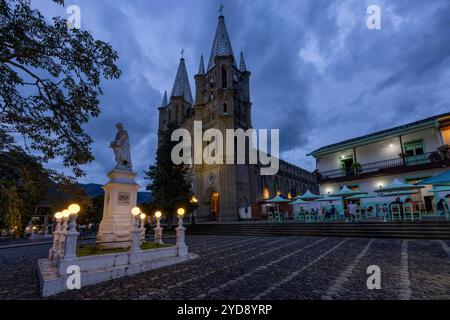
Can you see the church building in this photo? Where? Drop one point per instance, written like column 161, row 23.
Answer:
column 222, row 101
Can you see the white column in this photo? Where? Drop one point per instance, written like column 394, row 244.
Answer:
column 69, row 256
column 142, row 230
column 62, row 238
column 181, row 242
column 136, row 236
column 158, row 231
column 54, row 249
column 70, row 246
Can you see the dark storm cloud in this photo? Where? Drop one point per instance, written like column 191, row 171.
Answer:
column 318, row 73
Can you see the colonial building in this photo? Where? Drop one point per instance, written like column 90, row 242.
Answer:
column 222, row 101
column 411, row 153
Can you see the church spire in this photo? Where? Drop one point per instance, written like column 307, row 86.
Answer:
column 201, row 69
column 164, row 102
column 242, row 66
column 221, row 45
column 181, row 87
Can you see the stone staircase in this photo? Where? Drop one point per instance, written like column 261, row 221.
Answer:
column 408, row 230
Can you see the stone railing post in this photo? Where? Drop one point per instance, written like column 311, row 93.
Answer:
column 54, row 249
column 142, row 229
column 158, row 231
column 62, row 238
column 136, row 237
column 69, row 255
column 181, row 241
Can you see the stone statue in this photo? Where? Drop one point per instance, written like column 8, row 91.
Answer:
column 121, row 147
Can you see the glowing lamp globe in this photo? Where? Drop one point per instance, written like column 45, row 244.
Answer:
column 135, row 211
column 74, row 208
column 58, row 215
column 66, row 213
column 158, row 214
column 143, row 216
column 181, row 212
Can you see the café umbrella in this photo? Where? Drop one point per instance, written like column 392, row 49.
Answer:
column 396, row 187
column 442, row 179
column 359, row 196
column 346, row 192
column 439, row 189
column 309, row 196
column 278, row 199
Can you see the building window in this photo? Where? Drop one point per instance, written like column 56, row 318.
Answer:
column 224, row 78
column 414, row 148
column 445, row 132
column 225, row 108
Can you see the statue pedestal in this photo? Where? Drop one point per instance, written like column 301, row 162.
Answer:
column 120, row 198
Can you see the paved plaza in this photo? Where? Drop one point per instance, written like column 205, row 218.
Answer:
column 244, row 267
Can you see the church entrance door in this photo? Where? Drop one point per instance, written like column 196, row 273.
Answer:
column 215, row 208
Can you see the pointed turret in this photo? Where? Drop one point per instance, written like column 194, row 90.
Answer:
column 201, row 69
column 181, row 87
column 164, row 102
column 242, row 66
column 221, row 45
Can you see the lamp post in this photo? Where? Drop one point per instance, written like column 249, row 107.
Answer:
column 56, row 234
column 181, row 242
column 143, row 216
column 63, row 233
column 72, row 233
column 135, row 232
column 194, row 201
column 158, row 230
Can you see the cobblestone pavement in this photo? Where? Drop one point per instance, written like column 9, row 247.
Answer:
column 239, row 267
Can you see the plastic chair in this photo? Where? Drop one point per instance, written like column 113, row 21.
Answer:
column 271, row 217
column 396, row 212
column 384, row 213
column 408, row 212
column 278, row 217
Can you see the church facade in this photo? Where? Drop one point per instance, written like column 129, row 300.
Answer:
column 226, row 192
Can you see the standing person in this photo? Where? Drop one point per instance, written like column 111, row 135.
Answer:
column 352, row 210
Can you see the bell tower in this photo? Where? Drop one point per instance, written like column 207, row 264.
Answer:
column 223, row 102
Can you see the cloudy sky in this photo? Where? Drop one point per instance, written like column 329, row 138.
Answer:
column 318, row 73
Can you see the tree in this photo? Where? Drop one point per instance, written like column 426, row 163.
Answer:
column 50, row 82
column 25, row 183
column 169, row 184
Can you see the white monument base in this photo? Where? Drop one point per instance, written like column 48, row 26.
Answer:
column 105, row 267
column 120, row 198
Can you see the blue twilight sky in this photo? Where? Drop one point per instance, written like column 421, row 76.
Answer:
column 318, row 73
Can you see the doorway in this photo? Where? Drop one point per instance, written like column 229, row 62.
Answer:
column 215, row 207
column 347, row 166
column 428, row 203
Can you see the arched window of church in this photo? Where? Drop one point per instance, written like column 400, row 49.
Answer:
column 225, row 108
column 224, row 77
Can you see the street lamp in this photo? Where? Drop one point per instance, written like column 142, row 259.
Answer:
column 74, row 208
column 158, row 230
column 58, row 215
column 135, row 211
column 65, row 213
column 180, row 212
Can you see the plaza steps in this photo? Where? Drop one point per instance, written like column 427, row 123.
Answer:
column 409, row 230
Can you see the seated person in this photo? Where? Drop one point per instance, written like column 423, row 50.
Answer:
column 396, row 202
column 441, row 206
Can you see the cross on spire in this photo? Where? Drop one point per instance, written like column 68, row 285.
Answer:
column 182, row 53
column 221, row 9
